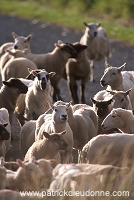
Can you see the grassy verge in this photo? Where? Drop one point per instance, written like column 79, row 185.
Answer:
column 64, row 17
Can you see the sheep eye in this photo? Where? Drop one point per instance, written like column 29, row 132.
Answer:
column 56, row 110
column 113, row 73
column 113, row 116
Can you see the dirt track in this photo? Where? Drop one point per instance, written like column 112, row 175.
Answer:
column 44, row 37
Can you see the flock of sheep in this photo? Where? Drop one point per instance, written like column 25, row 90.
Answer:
column 52, row 130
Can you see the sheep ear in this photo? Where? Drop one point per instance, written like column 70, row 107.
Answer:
column 14, row 35
column 6, row 83
column 20, row 163
column 63, row 132
column 99, row 24
column 50, row 106
column 107, row 65
column 57, row 45
column 51, row 74
column 59, row 42
column 31, row 75
column 85, row 24
column 93, row 100
column 68, row 104
column 111, row 92
column 47, row 135
column 121, row 68
column 127, row 92
column 28, row 37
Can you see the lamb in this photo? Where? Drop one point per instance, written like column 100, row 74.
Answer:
column 46, row 166
column 10, row 55
column 114, row 149
column 54, row 61
column 78, row 69
column 17, row 68
column 115, row 79
column 9, row 94
column 57, row 122
column 20, row 42
column 119, row 118
column 96, row 39
column 48, row 147
column 35, row 102
column 26, row 174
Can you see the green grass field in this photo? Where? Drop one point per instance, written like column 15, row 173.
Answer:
column 65, row 16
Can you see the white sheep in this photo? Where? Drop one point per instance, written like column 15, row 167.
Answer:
column 84, row 125
column 96, row 39
column 10, row 55
column 115, row 149
column 38, row 97
column 78, row 69
column 85, row 177
column 20, row 42
column 17, row 68
column 57, row 122
column 48, row 147
column 115, row 79
column 119, row 118
column 27, row 136
column 121, row 99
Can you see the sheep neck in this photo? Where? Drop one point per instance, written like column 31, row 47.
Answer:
column 71, row 119
column 59, row 56
column 118, row 84
column 127, row 126
column 59, row 126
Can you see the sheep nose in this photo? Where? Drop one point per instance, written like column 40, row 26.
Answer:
column 15, row 47
column 95, row 33
column 64, row 117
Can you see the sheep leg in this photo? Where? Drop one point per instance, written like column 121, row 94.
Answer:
column 73, row 89
column 82, row 92
column 92, row 71
column 68, row 157
column 56, row 94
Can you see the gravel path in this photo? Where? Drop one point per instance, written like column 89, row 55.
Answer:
column 44, row 37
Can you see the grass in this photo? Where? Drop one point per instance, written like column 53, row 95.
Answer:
column 65, row 17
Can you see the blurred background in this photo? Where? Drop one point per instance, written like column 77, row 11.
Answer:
column 117, row 16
